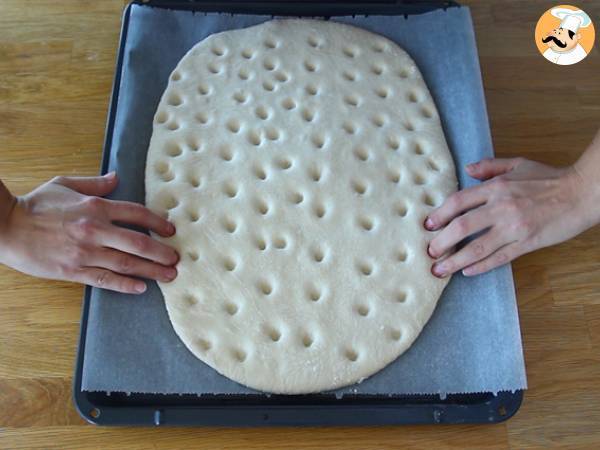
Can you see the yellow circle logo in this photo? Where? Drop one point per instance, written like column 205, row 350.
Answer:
column 564, row 35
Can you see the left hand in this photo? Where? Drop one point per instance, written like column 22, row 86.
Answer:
column 65, row 230
column 521, row 206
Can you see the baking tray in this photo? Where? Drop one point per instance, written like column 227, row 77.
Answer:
column 105, row 408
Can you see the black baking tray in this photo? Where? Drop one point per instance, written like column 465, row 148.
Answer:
column 119, row 408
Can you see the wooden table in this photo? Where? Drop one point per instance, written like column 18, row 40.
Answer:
column 56, row 67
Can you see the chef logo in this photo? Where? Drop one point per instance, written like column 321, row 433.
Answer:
column 564, row 35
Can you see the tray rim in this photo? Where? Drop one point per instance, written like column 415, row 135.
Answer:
column 476, row 408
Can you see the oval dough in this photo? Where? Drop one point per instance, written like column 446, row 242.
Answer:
column 298, row 160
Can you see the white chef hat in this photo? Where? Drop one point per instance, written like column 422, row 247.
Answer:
column 571, row 19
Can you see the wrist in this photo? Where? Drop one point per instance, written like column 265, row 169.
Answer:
column 7, row 204
column 585, row 170
column 585, row 195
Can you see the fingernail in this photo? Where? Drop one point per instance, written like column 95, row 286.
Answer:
column 429, row 224
column 429, row 252
column 468, row 271
column 110, row 174
column 470, row 166
column 439, row 270
column 170, row 274
column 140, row 287
column 176, row 260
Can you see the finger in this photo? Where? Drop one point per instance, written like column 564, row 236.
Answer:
column 474, row 251
column 136, row 214
column 456, row 204
column 124, row 263
column 97, row 186
column 105, row 279
column 136, row 243
column 460, row 228
column 501, row 256
column 491, row 167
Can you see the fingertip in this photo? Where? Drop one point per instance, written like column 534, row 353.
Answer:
column 429, row 224
column 171, row 230
column 474, row 170
column 175, row 258
column 110, row 183
column 468, row 271
column 139, row 287
column 164, row 228
column 430, row 252
column 438, row 270
column 170, row 274
column 110, row 178
column 478, row 175
column 167, row 275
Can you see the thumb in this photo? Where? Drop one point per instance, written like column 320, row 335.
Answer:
column 97, row 186
column 491, row 167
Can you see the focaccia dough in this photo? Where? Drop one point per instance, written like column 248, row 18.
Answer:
column 298, row 160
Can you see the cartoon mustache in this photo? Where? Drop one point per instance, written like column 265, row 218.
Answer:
column 556, row 41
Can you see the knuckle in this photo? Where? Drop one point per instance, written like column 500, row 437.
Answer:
column 461, row 225
column 520, row 218
column 103, row 279
column 94, row 204
column 523, row 226
column 77, row 256
column 65, row 271
column 526, row 204
column 528, row 244
column 455, row 201
column 141, row 212
column 502, row 257
column 513, row 204
column 125, row 264
column 499, row 184
column 478, row 249
column 58, row 179
column 509, row 206
column 140, row 243
column 137, row 208
column 85, row 229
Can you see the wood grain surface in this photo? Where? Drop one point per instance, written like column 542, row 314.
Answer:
column 56, row 68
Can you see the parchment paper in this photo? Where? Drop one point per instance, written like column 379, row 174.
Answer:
column 471, row 344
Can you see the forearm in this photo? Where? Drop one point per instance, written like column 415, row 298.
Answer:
column 587, row 172
column 7, row 203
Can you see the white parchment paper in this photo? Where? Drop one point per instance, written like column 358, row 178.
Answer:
column 471, row 344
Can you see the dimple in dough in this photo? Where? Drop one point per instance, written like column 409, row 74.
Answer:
column 298, row 160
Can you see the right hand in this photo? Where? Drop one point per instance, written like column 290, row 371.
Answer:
column 64, row 230
column 521, row 206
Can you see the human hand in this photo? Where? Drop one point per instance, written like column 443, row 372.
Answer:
column 64, row 230
column 521, row 206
